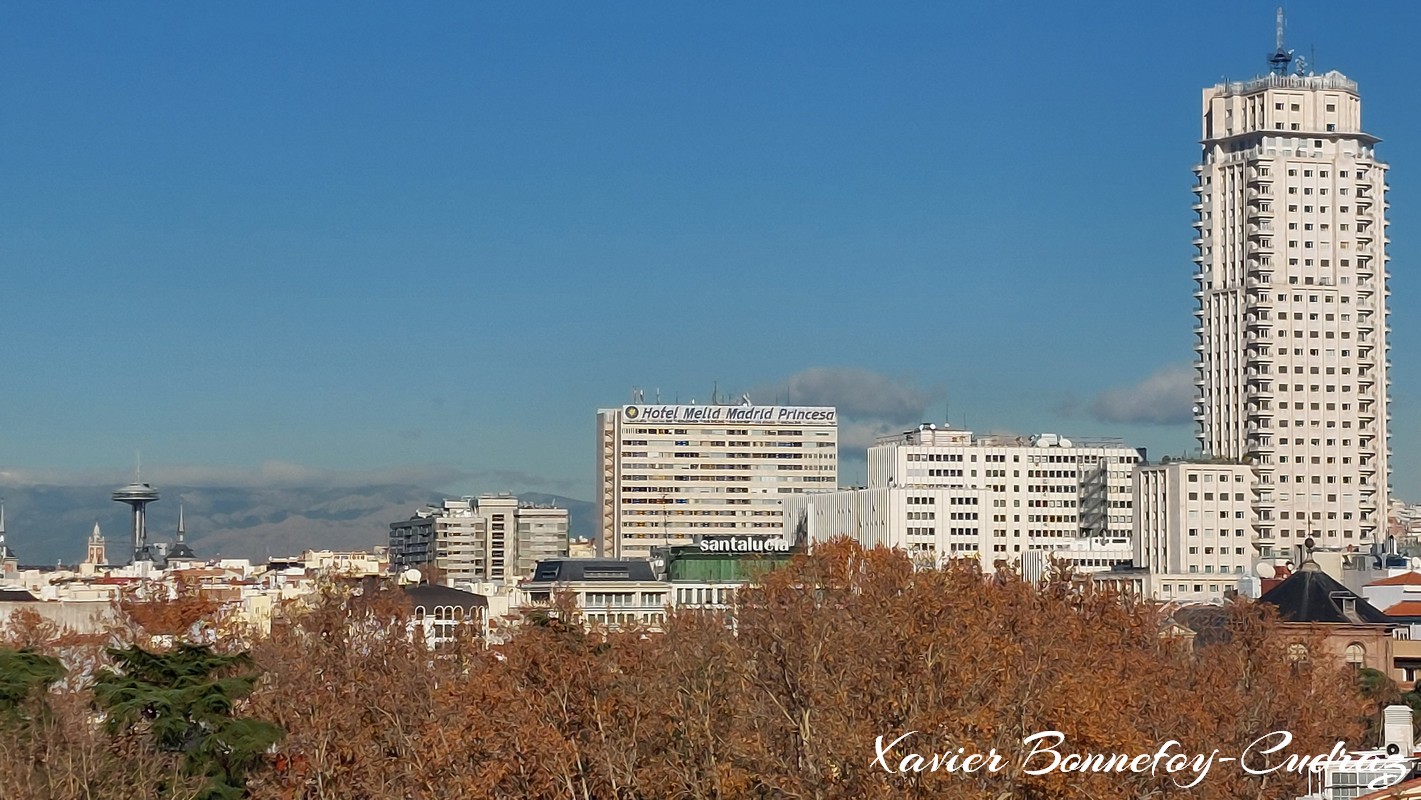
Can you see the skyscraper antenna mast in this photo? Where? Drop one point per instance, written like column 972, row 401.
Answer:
column 1281, row 59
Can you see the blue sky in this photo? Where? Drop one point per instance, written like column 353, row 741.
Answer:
column 431, row 240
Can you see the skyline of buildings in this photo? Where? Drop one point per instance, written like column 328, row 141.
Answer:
column 1292, row 377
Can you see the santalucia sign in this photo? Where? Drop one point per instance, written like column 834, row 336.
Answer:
column 741, row 415
column 743, row 544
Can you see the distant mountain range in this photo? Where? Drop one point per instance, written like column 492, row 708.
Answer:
column 46, row 525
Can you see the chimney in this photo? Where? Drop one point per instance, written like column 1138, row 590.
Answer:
column 1397, row 730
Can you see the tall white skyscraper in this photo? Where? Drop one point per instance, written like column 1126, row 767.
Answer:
column 1292, row 326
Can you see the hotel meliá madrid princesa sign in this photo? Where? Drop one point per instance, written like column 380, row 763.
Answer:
column 739, row 415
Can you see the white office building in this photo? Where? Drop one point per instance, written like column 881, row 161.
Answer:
column 1194, row 528
column 1292, row 351
column 941, row 493
column 668, row 474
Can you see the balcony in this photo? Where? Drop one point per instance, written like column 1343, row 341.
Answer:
column 1260, row 209
column 1259, row 389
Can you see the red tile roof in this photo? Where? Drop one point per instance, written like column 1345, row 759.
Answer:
column 1406, row 608
column 1404, row 579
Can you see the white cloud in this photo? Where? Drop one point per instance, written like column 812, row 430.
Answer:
column 869, row 403
column 857, row 393
column 1164, row 398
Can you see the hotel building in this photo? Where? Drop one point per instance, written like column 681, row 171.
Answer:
column 671, row 474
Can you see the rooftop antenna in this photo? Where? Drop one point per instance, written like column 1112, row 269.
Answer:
column 715, row 392
column 1280, row 60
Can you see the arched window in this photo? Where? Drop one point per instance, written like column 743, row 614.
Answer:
column 1355, row 655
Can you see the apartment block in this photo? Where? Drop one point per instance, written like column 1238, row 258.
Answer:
column 489, row 538
column 1194, row 528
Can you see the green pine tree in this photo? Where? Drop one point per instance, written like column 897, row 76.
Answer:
column 24, row 674
column 185, row 700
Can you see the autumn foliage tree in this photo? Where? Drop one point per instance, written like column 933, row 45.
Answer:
column 788, row 694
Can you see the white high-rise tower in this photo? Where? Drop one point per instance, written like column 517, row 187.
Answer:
column 1292, row 326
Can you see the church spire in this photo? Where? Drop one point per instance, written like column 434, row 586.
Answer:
column 180, row 548
column 5, row 552
column 97, row 554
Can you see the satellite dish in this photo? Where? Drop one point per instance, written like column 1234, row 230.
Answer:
column 411, row 575
column 1265, row 570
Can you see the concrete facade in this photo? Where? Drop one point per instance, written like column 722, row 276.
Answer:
column 666, row 474
column 1292, row 352
column 1195, row 528
column 490, row 538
